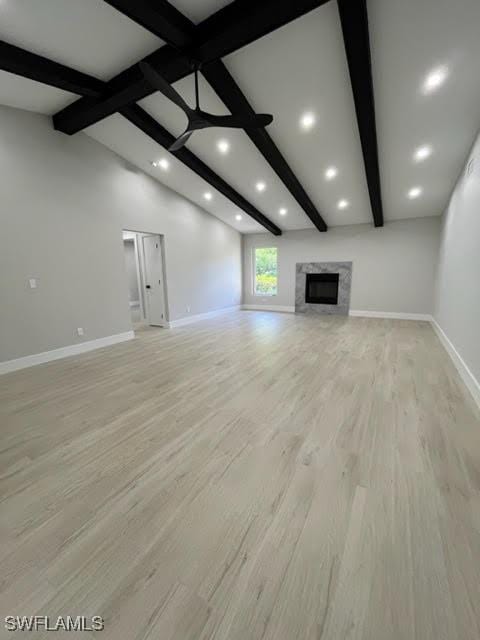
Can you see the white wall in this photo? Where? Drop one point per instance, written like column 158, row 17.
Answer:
column 393, row 266
column 64, row 203
column 457, row 291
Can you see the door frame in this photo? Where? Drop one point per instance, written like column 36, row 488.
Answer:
column 141, row 271
column 156, row 236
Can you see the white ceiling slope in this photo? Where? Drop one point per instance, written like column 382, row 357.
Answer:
column 301, row 67
column 122, row 137
column 23, row 93
column 88, row 35
column 198, row 10
column 409, row 38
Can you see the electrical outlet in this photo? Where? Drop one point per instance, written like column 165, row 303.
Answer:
column 188, row 309
column 80, row 331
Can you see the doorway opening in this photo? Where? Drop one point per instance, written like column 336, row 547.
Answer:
column 145, row 269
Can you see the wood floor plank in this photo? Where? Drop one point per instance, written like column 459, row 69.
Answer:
column 255, row 476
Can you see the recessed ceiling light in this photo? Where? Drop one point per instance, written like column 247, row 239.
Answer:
column 331, row 173
column 260, row 186
column 223, row 146
column 422, row 153
column 343, row 204
column 163, row 163
column 307, row 120
column 283, row 211
column 415, row 192
column 238, row 217
column 435, row 79
column 207, row 195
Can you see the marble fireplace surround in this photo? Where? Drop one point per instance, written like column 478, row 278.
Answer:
column 344, row 269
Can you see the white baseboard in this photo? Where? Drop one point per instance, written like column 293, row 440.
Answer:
column 201, row 316
column 423, row 317
column 268, row 307
column 472, row 384
column 63, row 352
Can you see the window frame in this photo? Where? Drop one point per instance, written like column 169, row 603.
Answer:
column 254, row 271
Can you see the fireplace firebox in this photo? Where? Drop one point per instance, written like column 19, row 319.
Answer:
column 321, row 288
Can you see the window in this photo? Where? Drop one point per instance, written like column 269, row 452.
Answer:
column 265, row 270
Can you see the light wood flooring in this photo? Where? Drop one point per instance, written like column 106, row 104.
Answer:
column 253, row 476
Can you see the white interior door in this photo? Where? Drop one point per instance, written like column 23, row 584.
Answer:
column 155, row 304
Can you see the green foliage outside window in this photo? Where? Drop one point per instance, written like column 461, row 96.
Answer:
column 266, row 271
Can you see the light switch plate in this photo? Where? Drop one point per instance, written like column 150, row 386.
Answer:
column 32, row 283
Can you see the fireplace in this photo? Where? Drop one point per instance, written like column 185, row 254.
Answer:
column 321, row 288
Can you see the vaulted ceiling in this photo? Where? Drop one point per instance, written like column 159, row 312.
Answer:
column 304, row 66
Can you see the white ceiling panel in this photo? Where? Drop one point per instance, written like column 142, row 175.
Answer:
column 242, row 167
column 88, row 35
column 23, row 93
column 198, row 10
column 302, row 68
column 410, row 38
column 127, row 141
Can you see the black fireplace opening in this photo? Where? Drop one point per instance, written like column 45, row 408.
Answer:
column 321, row 288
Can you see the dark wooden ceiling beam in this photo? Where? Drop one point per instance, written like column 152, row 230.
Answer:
column 126, row 88
column 230, row 93
column 354, row 19
column 141, row 119
column 226, row 31
column 34, row 67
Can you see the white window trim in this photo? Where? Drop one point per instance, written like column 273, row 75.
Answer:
column 254, row 271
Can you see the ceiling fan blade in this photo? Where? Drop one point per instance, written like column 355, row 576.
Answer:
column 180, row 141
column 256, row 121
column 160, row 84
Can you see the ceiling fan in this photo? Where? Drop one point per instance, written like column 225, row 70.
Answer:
column 198, row 119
